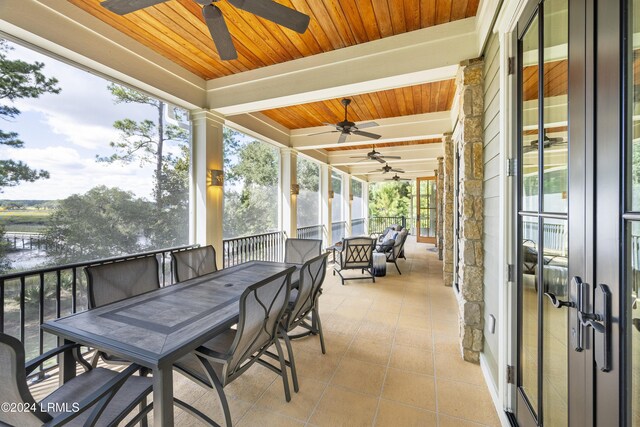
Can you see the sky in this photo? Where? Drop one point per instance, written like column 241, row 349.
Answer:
column 64, row 132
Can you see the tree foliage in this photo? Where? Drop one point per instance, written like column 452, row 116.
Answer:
column 18, row 80
column 103, row 222
column 389, row 199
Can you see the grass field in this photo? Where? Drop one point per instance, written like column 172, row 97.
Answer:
column 30, row 220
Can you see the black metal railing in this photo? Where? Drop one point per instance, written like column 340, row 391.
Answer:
column 262, row 247
column 311, row 232
column 338, row 231
column 25, row 241
column 358, row 227
column 30, row 298
column 377, row 224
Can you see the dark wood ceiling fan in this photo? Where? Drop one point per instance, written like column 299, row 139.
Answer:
column 347, row 127
column 267, row 9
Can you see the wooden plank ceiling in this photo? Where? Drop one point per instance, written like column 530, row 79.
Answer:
column 556, row 83
column 385, row 145
column 419, row 99
column 176, row 29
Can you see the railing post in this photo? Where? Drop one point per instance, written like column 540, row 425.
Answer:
column 404, row 221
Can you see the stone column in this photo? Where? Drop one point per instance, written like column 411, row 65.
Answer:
column 439, row 206
column 469, row 140
column 207, row 155
column 447, row 209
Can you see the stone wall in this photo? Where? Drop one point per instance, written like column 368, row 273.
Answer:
column 468, row 141
column 447, row 209
column 439, row 205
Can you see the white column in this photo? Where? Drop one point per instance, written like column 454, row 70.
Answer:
column 207, row 155
column 365, row 206
column 325, row 202
column 346, row 202
column 288, row 202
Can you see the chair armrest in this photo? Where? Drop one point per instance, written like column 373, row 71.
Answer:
column 102, row 397
column 211, row 354
column 31, row 365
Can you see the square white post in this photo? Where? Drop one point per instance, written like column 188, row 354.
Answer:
column 326, row 202
column 288, row 201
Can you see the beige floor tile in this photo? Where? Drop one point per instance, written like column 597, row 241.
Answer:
column 340, row 407
column 393, row 414
column 257, row 417
column 421, row 322
column 414, row 337
column 359, row 376
column 375, row 331
column 384, row 317
column 467, row 401
column 410, row 388
column 386, row 305
column 412, row 359
column 451, row 365
column 315, row 365
column 302, row 403
column 336, row 344
column 252, row 383
column 368, row 350
column 447, row 421
column 209, row 404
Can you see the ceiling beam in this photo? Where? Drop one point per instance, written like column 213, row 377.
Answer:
column 409, row 154
column 404, row 128
column 58, row 28
column 416, row 57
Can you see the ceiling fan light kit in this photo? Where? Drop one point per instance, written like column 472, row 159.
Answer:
column 213, row 18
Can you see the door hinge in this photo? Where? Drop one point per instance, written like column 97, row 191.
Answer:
column 511, row 375
column 511, row 65
column 512, row 165
column 511, row 273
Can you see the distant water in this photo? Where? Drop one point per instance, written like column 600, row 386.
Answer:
column 27, row 260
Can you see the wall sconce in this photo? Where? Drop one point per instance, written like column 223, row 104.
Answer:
column 295, row 189
column 217, row 178
column 351, row 197
column 331, row 194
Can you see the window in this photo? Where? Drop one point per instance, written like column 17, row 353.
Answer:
column 99, row 169
column 308, row 178
column 357, row 208
column 250, row 186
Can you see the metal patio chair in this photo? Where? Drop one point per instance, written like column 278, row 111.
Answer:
column 115, row 281
column 356, row 254
column 303, row 308
column 98, row 396
column 224, row 358
column 193, row 263
column 395, row 248
column 299, row 251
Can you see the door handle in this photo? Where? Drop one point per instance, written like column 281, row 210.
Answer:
column 557, row 303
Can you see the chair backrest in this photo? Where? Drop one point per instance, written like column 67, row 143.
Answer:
column 299, row 251
column 312, row 276
column 399, row 244
column 193, row 263
column 262, row 307
column 357, row 252
column 107, row 283
column 14, row 385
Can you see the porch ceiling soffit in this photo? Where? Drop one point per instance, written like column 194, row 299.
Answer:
column 73, row 35
column 417, row 167
column 421, row 56
column 403, row 128
column 409, row 153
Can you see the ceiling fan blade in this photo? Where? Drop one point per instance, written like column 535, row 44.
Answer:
column 367, row 125
column 397, row 170
column 379, row 159
column 366, row 134
column 122, row 7
column 275, row 12
column 322, row 133
column 390, row 157
column 343, row 138
column 219, row 32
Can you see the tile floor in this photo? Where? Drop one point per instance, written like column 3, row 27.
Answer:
column 392, row 360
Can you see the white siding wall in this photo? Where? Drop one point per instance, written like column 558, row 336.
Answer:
column 491, row 199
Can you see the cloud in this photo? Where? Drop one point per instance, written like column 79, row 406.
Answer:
column 72, row 174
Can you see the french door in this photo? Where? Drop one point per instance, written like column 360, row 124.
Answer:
column 426, row 210
column 578, row 213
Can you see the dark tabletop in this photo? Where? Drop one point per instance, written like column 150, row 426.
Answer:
column 158, row 327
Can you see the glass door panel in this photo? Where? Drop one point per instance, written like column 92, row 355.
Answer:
column 426, row 212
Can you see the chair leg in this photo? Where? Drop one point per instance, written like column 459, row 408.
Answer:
column 141, row 407
column 292, row 362
column 283, row 370
column 316, row 316
column 397, row 268
column 223, row 401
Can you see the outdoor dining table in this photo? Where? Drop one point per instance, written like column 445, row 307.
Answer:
column 157, row 328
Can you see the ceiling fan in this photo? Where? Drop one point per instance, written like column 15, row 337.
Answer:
column 397, row 178
column 346, row 127
column 547, row 142
column 386, row 169
column 267, row 9
column 375, row 155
